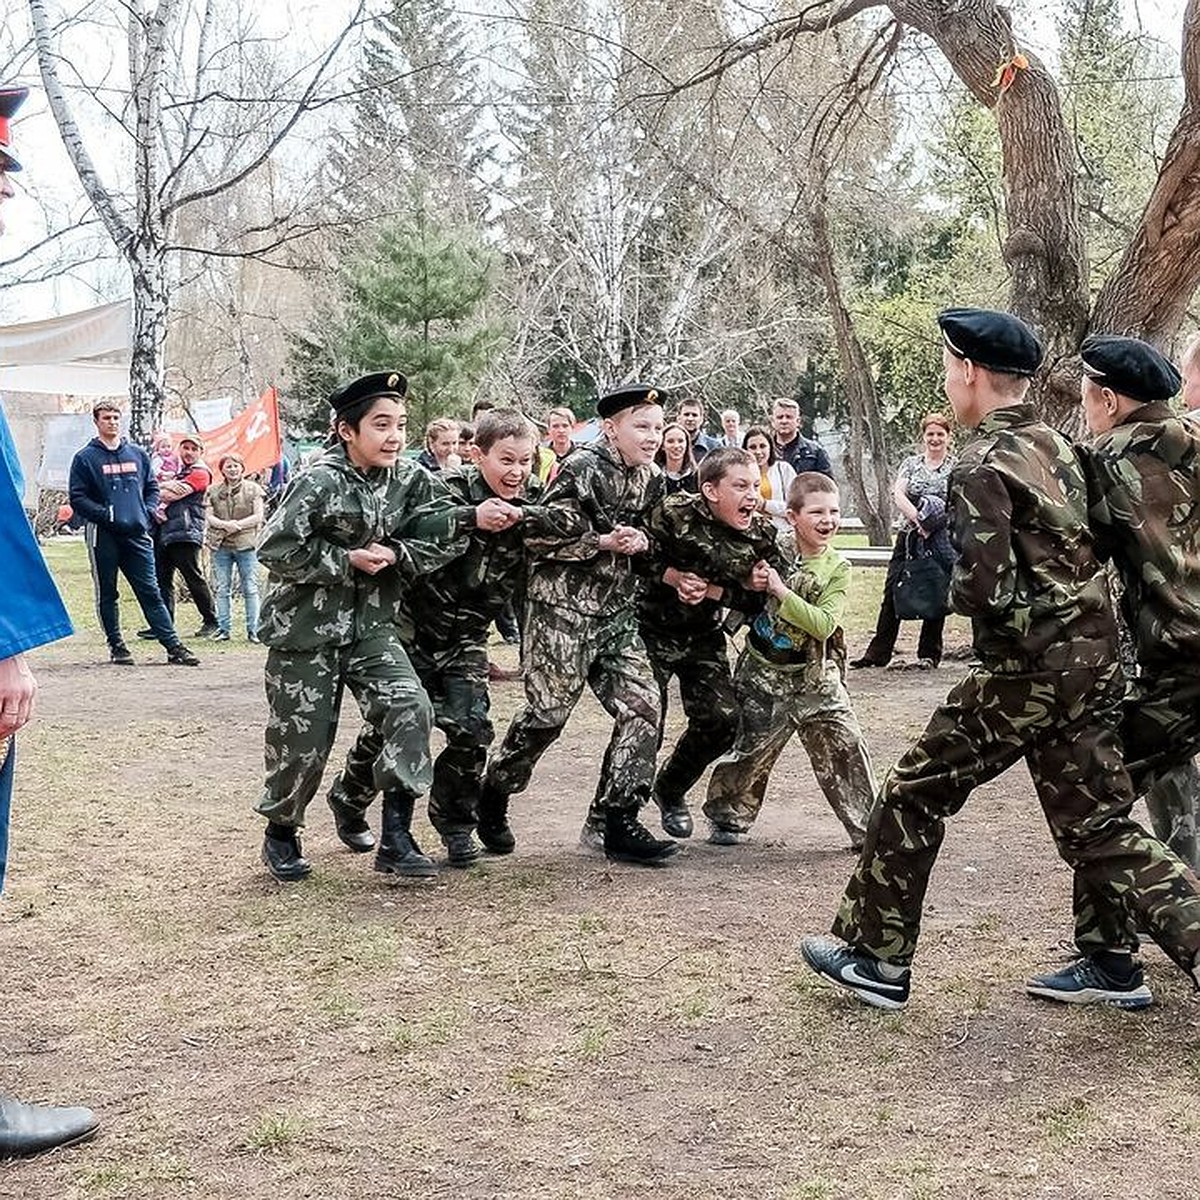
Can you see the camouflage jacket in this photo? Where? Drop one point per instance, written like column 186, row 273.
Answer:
column 458, row 602
column 1145, row 477
column 685, row 535
column 314, row 596
column 1028, row 573
column 593, row 493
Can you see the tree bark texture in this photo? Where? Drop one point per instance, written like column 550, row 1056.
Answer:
column 865, row 449
column 1147, row 295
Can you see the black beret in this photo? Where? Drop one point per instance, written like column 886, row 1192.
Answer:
column 382, row 383
column 11, row 98
column 630, row 395
column 994, row 340
column 1129, row 366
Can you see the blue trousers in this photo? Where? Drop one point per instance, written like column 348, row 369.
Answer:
column 133, row 556
column 246, row 561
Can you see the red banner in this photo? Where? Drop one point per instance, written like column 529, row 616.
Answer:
column 253, row 435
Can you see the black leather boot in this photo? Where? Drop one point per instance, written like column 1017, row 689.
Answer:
column 676, row 818
column 27, row 1129
column 626, row 839
column 398, row 853
column 351, row 826
column 282, row 854
column 493, row 828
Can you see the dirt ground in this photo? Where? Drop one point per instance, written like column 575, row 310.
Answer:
column 544, row 1025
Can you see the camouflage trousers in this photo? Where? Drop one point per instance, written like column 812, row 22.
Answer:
column 1173, row 802
column 1062, row 724
column 1160, row 732
column 304, row 693
column 701, row 664
column 773, row 704
column 455, row 678
column 564, row 651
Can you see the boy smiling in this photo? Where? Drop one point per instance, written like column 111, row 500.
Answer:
column 581, row 628
column 790, row 678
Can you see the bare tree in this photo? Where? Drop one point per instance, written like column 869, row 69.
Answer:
column 203, row 109
column 1043, row 248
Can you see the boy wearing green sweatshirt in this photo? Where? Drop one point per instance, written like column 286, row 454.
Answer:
column 790, row 677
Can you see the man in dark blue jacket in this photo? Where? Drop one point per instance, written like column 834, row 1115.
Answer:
column 32, row 615
column 114, row 490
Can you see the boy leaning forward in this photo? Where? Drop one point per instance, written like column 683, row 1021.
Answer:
column 581, row 628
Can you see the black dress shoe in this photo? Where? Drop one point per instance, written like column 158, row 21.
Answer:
column 284, row 859
column 27, row 1129
column 677, row 820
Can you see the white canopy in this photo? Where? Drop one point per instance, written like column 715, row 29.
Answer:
column 80, row 354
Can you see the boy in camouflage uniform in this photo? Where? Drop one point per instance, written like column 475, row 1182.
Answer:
column 1048, row 689
column 581, row 628
column 445, row 619
column 349, row 530
column 708, row 552
column 1144, row 467
column 790, row 678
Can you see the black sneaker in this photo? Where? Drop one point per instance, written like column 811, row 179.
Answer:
column 181, row 656
column 207, row 630
column 626, row 839
column 1084, row 981
column 146, row 635
column 858, row 664
column 461, row 849
column 855, row 971
column 119, row 655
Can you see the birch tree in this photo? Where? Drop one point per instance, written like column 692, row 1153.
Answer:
column 202, row 107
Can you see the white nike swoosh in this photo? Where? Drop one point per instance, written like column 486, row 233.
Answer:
column 849, row 974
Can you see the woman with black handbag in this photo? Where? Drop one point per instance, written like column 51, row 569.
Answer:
column 921, row 475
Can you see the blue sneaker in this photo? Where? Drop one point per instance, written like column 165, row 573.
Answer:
column 1084, row 981
column 857, row 972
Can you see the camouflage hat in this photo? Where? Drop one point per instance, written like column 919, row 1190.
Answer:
column 368, row 387
column 1130, row 367
column 630, row 395
column 11, row 98
column 996, row 341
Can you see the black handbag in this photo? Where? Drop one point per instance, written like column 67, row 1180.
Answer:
column 922, row 588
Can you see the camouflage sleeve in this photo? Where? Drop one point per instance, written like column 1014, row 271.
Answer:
column 428, row 525
column 293, row 547
column 1103, row 485
column 985, row 577
column 822, row 614
column 576, row 520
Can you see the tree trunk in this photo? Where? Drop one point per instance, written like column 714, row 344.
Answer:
column 1044, row 248
column 150, row 305
column 865, row 446
column 1147, row 295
